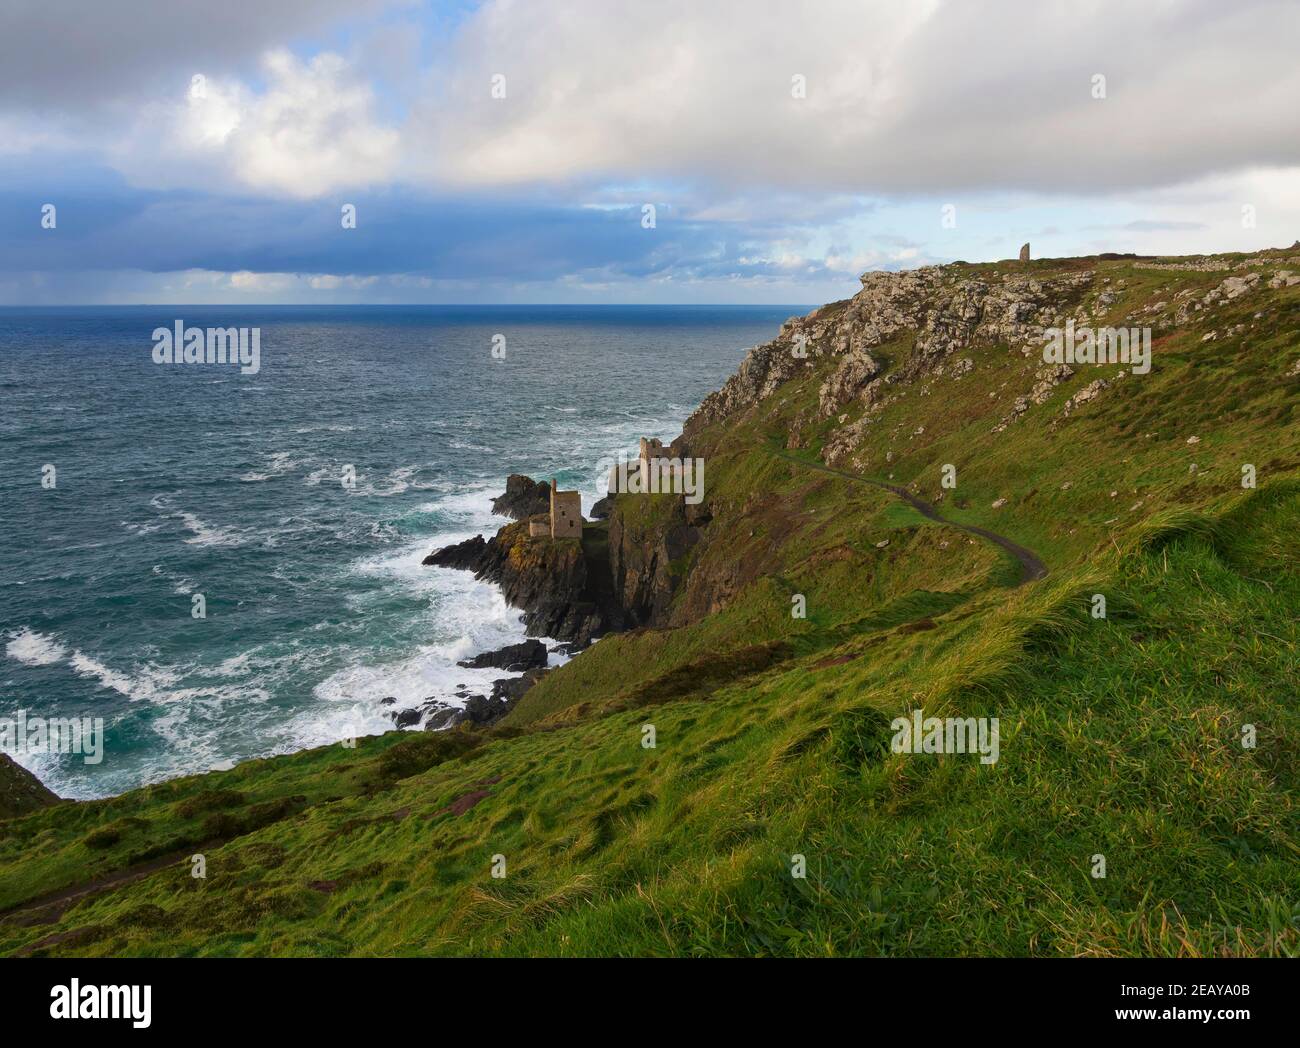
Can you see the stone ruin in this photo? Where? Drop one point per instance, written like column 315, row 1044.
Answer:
column 565, row 518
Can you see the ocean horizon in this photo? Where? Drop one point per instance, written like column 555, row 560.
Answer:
column 173, row 482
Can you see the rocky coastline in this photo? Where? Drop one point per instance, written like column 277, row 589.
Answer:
column 618, row 576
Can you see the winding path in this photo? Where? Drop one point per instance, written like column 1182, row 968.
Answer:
column 1031, row 565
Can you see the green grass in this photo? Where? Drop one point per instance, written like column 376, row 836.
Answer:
column 1120, row 737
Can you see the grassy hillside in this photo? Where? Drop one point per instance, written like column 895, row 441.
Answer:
column 1120, row 736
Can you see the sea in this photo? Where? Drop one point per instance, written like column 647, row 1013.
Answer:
column 224, row 565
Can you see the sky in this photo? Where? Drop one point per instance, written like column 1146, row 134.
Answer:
column 610, row 151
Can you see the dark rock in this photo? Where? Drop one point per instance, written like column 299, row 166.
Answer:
column 21, row 791
column 680, row 540
column 439, row 716
column 389, row 701
column 523, row 498
column 513, row 658
column 509, row 690
column 406, row 718
column 601, row 508
column 697, row 515
column 641, row 559
column 463, row 555
column 482, row 711
column 563, row 587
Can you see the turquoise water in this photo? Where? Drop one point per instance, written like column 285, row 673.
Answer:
column 177, row 480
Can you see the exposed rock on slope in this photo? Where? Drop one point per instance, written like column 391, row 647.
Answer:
column 848, row 380
column 482, row 711
column 21, row 791
column 523, row 498
column 946, row 310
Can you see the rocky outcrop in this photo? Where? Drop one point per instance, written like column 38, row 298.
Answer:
column 21, row 792
column 513, row 658
column 1089, row 392
column 464, row 556
column 943, row 309
column 549, row 579
column 523, row 498
column 482, row 711
column 1228, row 290
column 846, row 382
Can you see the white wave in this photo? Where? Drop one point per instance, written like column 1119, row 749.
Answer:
column 466, row 617
column 205, row 534
column 398, row 481
column 470, row 504
column 150, row 681
column 269, row 666
column 277, row 464
column 35, row 649
column 147, row 528
column 181, row 584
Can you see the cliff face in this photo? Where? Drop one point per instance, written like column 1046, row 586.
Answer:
column 657, row 563
column 940, row 307
column 648, row 547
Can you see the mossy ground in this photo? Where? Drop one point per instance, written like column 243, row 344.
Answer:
column 1120, row 737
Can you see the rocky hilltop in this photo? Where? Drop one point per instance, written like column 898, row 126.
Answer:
column 942, row 312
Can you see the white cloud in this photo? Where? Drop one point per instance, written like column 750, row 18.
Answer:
column 901, row 97
column 311, row 131
column 260, row 282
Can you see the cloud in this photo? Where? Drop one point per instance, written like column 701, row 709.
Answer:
column 921, row 97
column 83, row 57
column 1143, row 225
column 310, row 131
column 306, row 105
